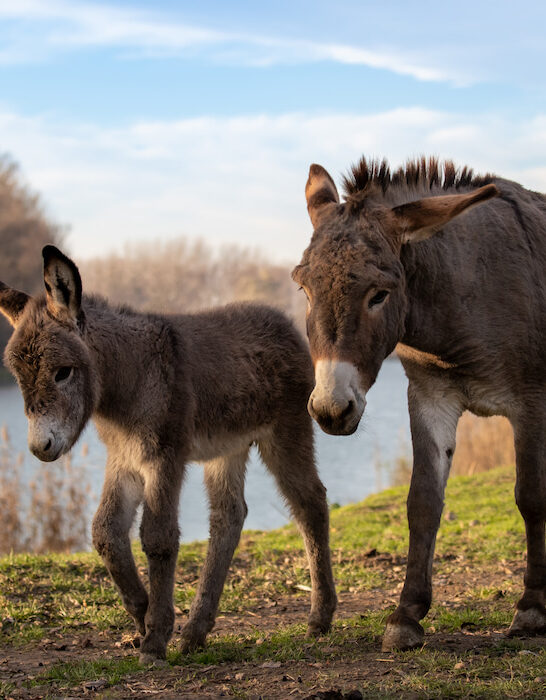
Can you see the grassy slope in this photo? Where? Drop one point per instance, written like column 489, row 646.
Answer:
column 479, row 549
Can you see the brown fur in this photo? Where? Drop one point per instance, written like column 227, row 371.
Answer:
column 164, row 390
column 467, row 311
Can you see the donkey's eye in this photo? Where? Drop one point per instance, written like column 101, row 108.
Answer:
column 63, row 373
column 378, row 298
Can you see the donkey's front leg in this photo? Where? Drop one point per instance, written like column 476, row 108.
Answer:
column 159, row 535
column 434, row 414
column 122, row 492
column 529, row 431
column 224, row 479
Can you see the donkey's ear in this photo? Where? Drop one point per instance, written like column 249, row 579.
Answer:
column 12, row 303
column 319, row 192
column 63, row 285
column 425, row 217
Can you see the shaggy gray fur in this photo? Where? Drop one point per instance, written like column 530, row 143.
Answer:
column 164, row 390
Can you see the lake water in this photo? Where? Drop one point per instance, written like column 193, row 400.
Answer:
column 347, row 465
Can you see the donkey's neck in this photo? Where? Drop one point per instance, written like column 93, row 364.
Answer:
column 442, row 293
column 126, row 350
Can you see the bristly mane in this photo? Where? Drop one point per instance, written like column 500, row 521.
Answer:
column 422, row 174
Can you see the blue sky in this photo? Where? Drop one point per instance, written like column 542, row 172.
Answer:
column 140, row 120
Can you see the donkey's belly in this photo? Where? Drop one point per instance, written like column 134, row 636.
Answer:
column 488, row 400
column 207, row 447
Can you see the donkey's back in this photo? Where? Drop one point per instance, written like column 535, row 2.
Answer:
column 478, row 289
column 248, row 368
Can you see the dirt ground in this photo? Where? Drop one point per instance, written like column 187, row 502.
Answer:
column 337, row 677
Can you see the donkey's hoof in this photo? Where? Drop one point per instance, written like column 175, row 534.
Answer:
column 192, row 643
column 402, row 636
column 528, row 622
column 147, row 659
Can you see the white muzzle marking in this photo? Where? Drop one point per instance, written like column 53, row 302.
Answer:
column 46, row 438
column 336, row 384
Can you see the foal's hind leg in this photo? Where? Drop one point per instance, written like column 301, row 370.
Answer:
column 289, row 455
column 225, row 480
column 530, row 431
column 122, row 492
column 159, row 535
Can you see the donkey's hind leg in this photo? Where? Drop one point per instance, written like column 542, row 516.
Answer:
column 121, row 494
column 289, row 456
column 225, row 480
column 529, row 430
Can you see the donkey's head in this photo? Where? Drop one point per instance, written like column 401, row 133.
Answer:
column 356, row 288
column 49, row 359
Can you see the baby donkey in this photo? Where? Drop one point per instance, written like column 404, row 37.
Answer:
column 164, row 390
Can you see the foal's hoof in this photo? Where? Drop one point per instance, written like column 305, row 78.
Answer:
column 315, row 629
column 401, row 636
column 528, row 622
column 319, row 621
column 146, row 659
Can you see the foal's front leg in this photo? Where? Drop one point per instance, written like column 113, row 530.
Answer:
column 434, row 414
column 159, row 535
column 121, row 494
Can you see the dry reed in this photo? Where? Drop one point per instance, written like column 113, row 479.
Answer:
column 50, row 514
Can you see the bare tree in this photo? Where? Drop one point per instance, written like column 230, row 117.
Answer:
column 24, row 230
column 186, row 275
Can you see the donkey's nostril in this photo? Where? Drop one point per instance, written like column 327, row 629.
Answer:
column 347, row 410
column 47, row 446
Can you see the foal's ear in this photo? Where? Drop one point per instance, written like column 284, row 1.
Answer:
column 12, row 303
column 425, row 217
column 319, row 192
column 63, row 285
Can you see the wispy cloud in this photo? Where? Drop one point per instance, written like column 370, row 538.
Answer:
column 239, row 179
column 40, row 29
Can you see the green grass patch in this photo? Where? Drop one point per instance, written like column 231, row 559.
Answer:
column 71, row 591
column 60, row 591
column 74, row 673
column 58, row 595
column 505, row 671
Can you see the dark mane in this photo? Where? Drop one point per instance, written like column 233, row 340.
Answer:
column 368, row 176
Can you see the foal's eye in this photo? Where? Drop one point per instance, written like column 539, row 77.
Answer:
column 63, row 373
column 378, row 298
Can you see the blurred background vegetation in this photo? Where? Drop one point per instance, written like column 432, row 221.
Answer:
column 172, row 276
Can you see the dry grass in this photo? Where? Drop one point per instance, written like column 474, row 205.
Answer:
column 51, row 513
column 11, row 522
column 482, row 444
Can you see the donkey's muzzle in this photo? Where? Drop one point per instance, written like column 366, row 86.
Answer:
column 337, row 402
column 339, row 422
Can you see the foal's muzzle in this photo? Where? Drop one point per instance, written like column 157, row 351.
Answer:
column 45, row 440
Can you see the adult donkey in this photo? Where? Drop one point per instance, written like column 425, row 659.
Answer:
column 464, row 301
column 164, row 390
